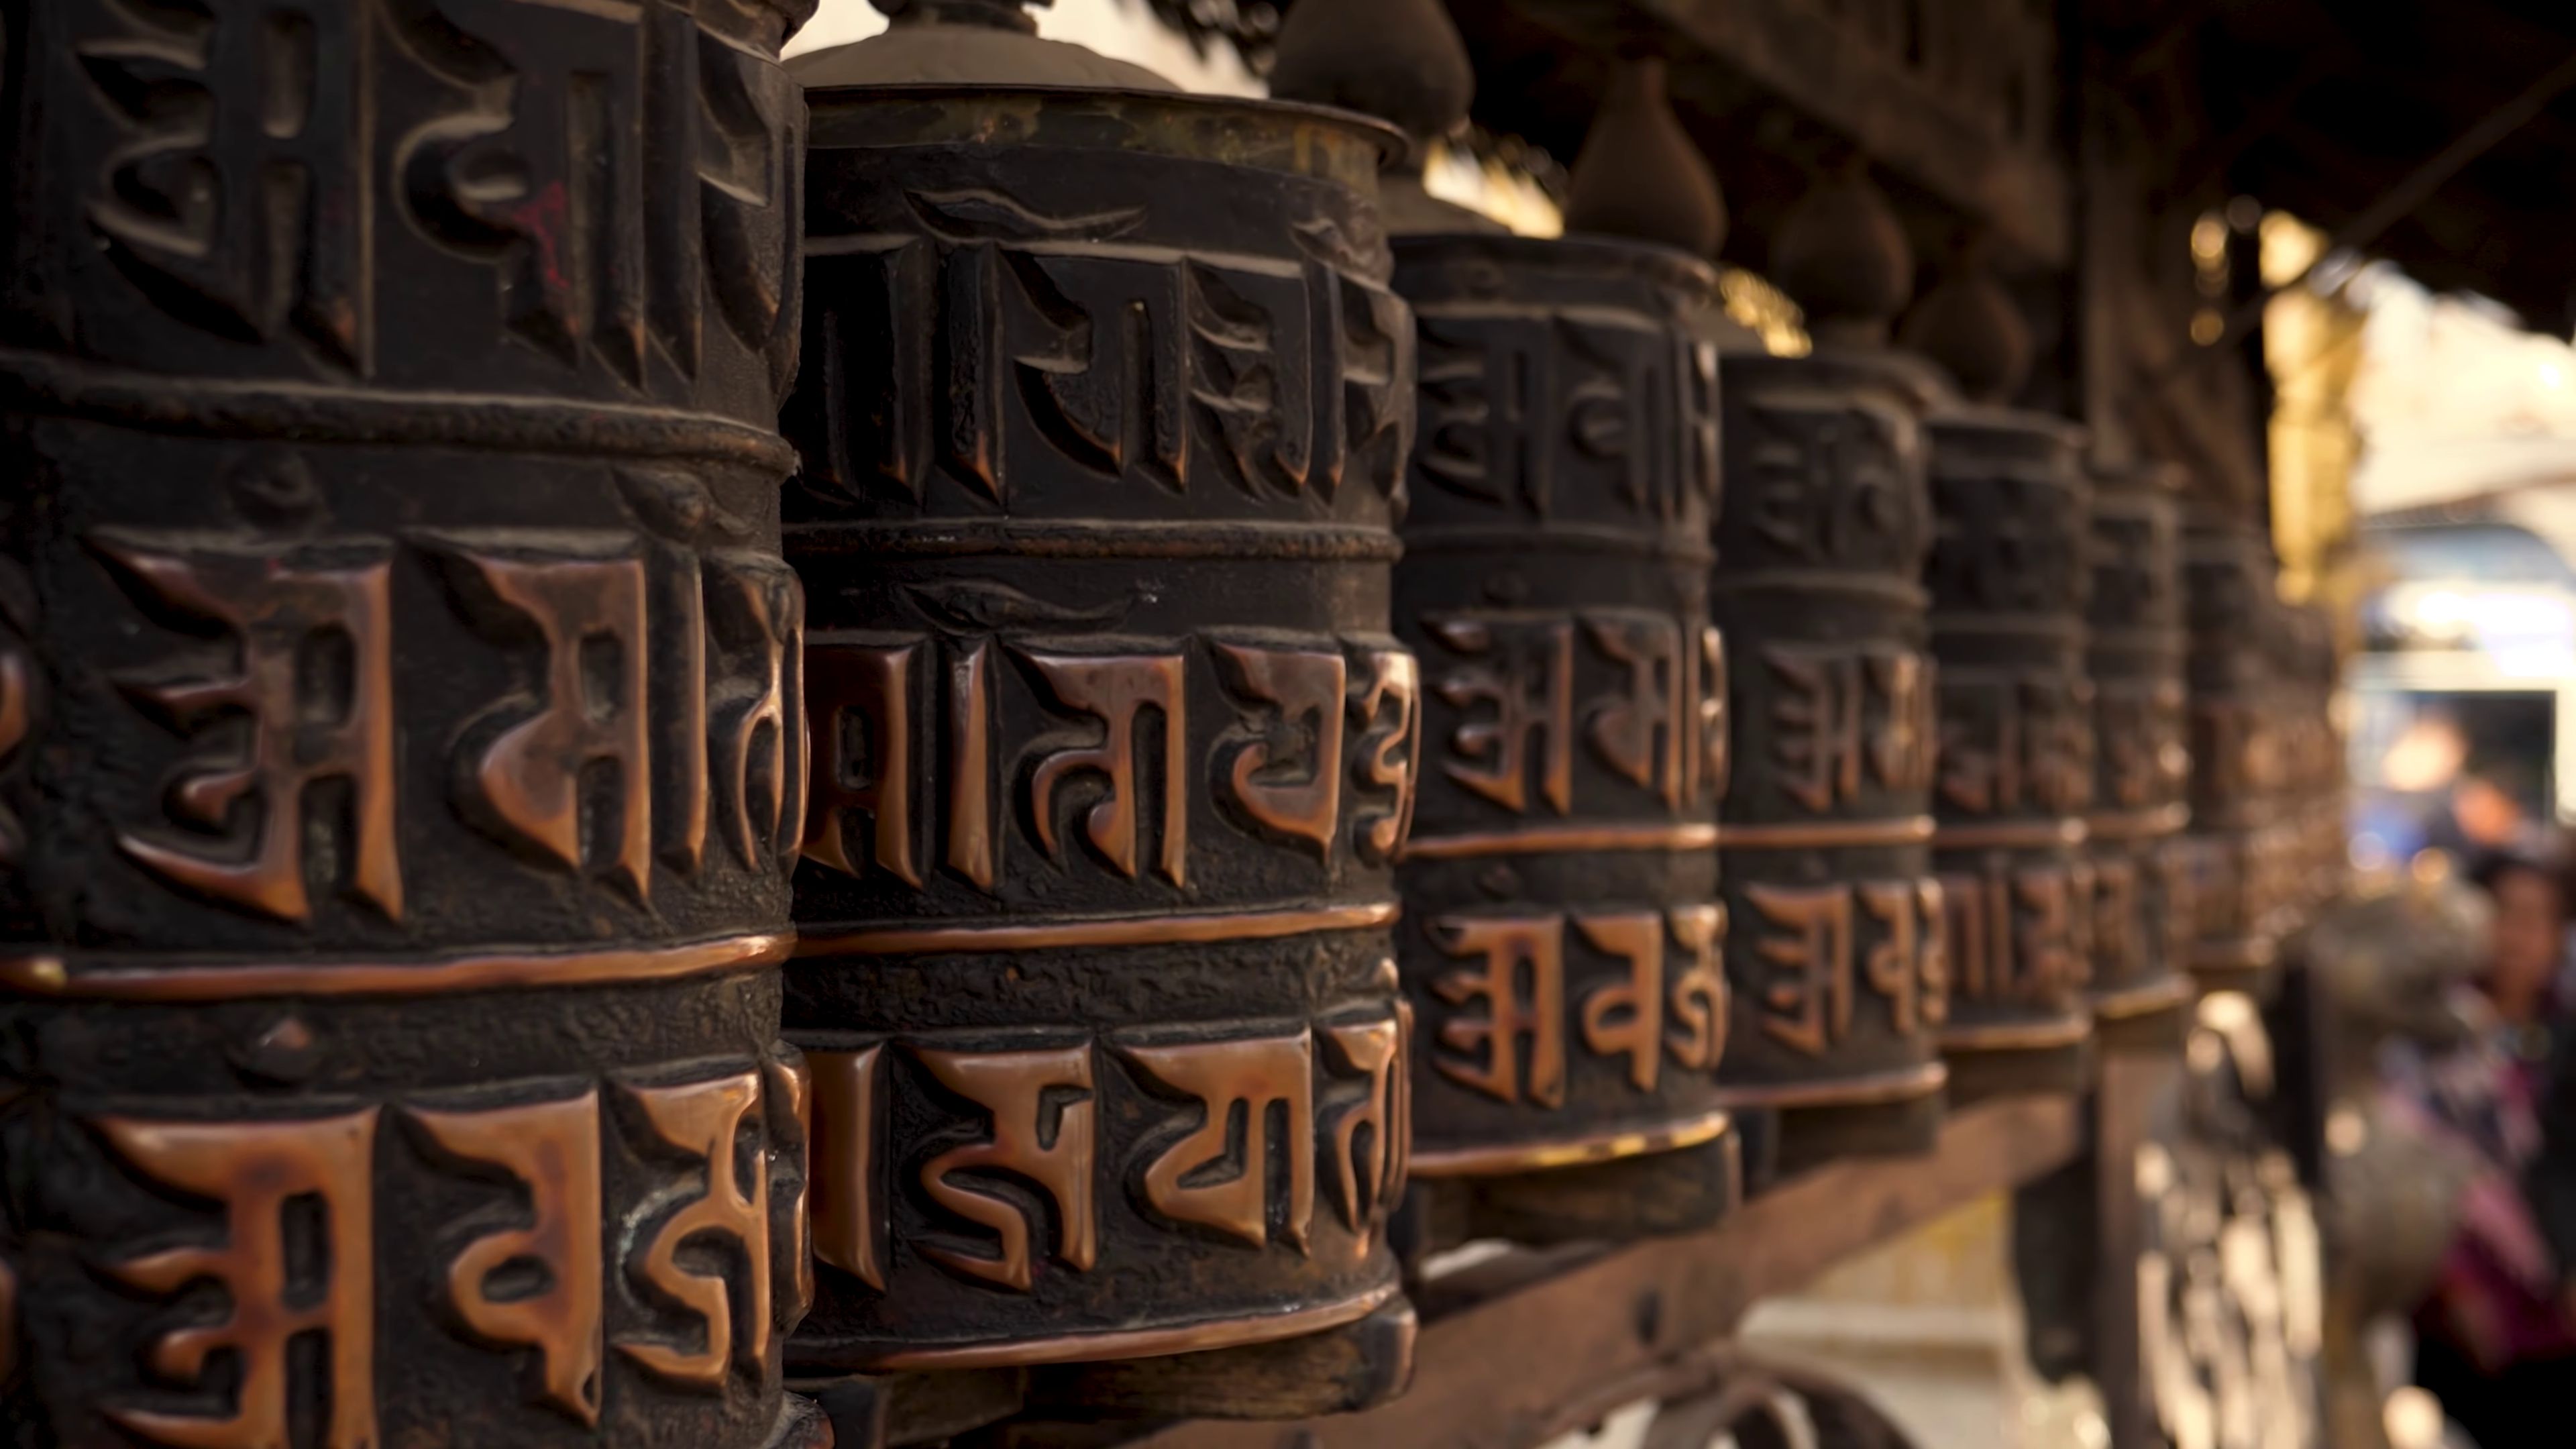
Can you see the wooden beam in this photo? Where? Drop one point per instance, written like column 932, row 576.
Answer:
column 1557, row 1341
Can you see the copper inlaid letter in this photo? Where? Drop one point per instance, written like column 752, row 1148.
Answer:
column 1116, row 689
column 869, row 687
column 1041, row 1131
column 1506, row 944
column 1627, row 1014
column 1302, row 685
column 849, row 1224
column 1237, row 1081
column 705, row 1119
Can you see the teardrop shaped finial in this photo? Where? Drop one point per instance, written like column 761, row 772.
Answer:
column 1841, row 256
column 1639, row 175
column 1969, row 325
column 966, row 42
column 1399, row 60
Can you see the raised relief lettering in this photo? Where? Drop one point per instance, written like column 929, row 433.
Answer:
column 2046, row 929
column 1698, row 990
column 589, row 709
column 1813, row 1009
column 1116, row 690
column 1503, row 946
column 1043, row 1114
column 787, row 1090
column 1893, row 966
column 297, row 1260
column 1487, row 385
column 1376, row 337
column 1289, row 781
column 849, row 1211
column 1526, row 677
column 2011, row 743
column 1627, row 1014
column 238, row 200
column 706, row 1121
column 1837, row 712
column 971, row 847
column 1708, row 761
column 1388, row 716
column 1202, row 1177
column 860, row 711
column 1828, row 484
column 1642, row 731
column 1368, row 1173
column 2009, row 932
column 1252, row 374
column 312, row 631
column 551, row 1152
column 1904, row 746
column 760, row 735
column 1106, row 379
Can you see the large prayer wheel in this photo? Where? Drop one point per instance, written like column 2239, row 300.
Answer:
column 399, row 751
column 2230, row 610
column 1563, row 943
column 2136, row 653
column 2009, row 579
column 1104, row 416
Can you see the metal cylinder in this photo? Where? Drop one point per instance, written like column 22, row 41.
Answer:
column 1104, row 413
column 1833, row 948
column 2135, row 654
column 1563, row 943
column 2229, row 606
column 399, row 763
column 2008, row 578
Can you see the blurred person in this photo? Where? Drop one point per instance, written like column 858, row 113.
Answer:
column 2495, row 1339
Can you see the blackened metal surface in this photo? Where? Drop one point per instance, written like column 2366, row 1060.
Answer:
column 397, row 727
column 1562, row 948
column 1833, row 946
column 2135, row 651
column 2009, row 580
column 2230, row 611
column 1103, row 418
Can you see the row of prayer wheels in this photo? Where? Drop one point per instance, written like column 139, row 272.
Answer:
column 544, row 904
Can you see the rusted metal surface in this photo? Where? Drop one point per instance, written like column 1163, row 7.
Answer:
column 1563, row 943
column 2008, row 578
column 1524, row 1350
column 398, row 727
column 1103, row 420
column 1834, row 923
column 2135, row 652
column 2234, row 853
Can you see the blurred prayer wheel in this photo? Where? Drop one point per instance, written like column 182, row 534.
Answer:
column 2008, row 581
column 1104, row 414
column 2229, row 606
column 2136, row 649
column 1563, row 947
column 399, row 740
column 1833, row 947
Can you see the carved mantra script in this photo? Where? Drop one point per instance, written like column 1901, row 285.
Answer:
column 1237, row 1157
column 2012, row 933
column 238, row 169
column 1657, row 719
column 1834, row 712
column 1811, row 936
column 1319, row 742
column 2015, row 742
column 1520, row 981
column 296, row 1253
column 1830, row 484
column 1139, row 364
column 2145, row 760
column 311, row 636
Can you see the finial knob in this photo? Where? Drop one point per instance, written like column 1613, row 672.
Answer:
column 1969, row 325
column 1639, row 175
column 1398, row 60
column 966, row 42
column 1841, row 256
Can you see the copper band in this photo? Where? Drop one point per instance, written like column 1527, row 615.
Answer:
column 1112, row 931
column 1865, row 1091
column 2144, row 1000
column 1534, row 841
column 2140, row 824
column 1132, row 1342
column 1510, row 1157
column 2002, row 834
column 2017, row 1036
column 49, row 976
column 1903, row 830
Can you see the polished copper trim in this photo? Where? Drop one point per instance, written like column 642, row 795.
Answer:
column 2140, row 824
column 1511, row 1157
column 50, row 976
column 1867, row 1091
column 1110, row 931
column 2016, row 1036
column 1531, row 841
column 2005, row 834
column 1903, row 830
column 2144, row 1000
column 1133, row 1342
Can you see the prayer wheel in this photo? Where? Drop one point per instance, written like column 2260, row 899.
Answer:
column 2229, row 607
column 2136, row 654
column 399, row 728
column 1833, row 946
column 1103, row 417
